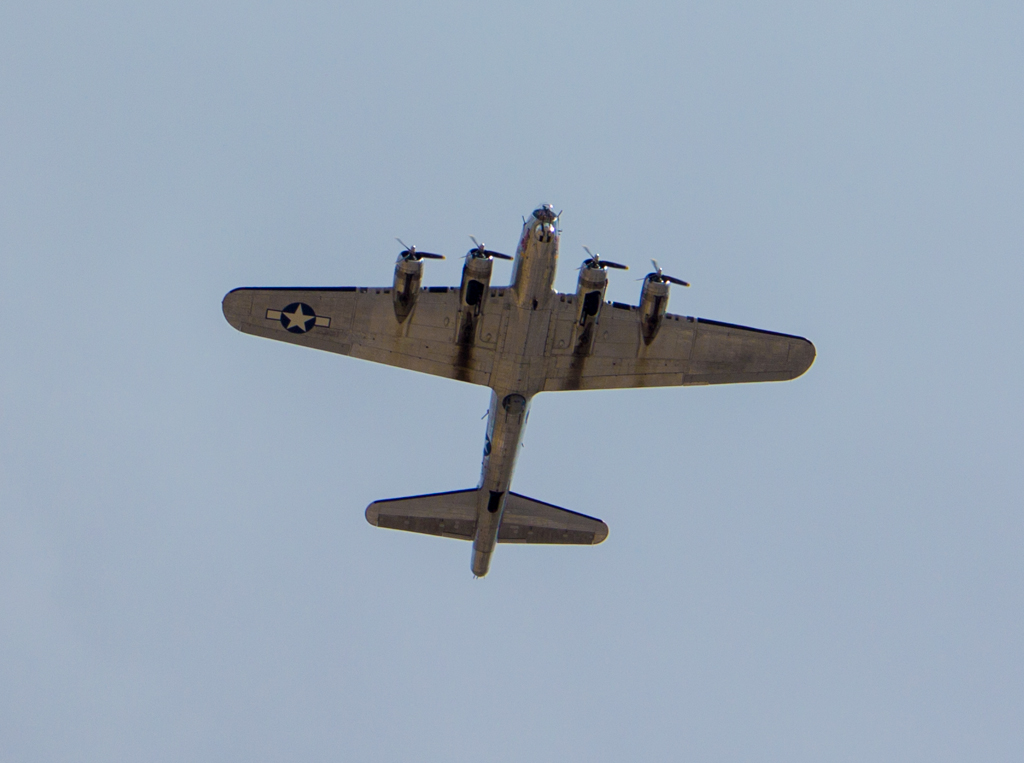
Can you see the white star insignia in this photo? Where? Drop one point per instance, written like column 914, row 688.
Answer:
column 298, row 319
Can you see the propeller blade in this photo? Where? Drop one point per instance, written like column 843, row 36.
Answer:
column 595, row 261
column 410, row 253
column 660, row 277
column 487, row 253
column 482, row 251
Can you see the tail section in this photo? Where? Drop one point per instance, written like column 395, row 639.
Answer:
column 453, row 515
column 528, row 521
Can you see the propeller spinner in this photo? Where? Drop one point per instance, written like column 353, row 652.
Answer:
column 410, row 253
column 658, row 277
column 482, row 252
column 595, row 262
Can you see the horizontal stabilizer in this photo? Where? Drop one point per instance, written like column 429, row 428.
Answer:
column 528, row 521
column 453, row 515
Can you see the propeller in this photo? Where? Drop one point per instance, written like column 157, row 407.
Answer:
column 481, row 251
column 410, row 253
column 596, row 262
column 658, row 277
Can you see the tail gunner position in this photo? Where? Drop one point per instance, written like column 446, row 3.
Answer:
column 519, row 340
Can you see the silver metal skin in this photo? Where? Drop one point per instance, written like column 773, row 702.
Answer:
column 590, row 289
column 518, row 340
column 506, row 421
column 476, row 282
column 408, row 275
column 653, row 303
column 512, row 384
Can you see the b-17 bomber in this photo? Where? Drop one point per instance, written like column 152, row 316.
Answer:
column 519, row 340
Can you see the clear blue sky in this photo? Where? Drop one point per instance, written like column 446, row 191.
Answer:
column 828, row 569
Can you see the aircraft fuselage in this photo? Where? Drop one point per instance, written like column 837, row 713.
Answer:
column 514, row 382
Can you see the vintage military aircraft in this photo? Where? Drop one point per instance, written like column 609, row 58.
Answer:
column 518, row 340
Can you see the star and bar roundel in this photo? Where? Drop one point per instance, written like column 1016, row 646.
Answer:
column 298, row 318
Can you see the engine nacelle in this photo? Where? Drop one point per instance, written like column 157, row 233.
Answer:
column 408, row 276
column 590, row 289
column 653, row 304
column 476, row 284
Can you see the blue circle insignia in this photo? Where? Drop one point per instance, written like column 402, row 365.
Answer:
column 298, row 317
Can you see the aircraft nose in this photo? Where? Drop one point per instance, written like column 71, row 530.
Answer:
column 545, row 213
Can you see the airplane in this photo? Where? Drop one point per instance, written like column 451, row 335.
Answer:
column 519, row 340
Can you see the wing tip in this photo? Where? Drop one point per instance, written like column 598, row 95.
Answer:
column 601, row 534
column 234, row 306
column 802, row 355
column 373, row 514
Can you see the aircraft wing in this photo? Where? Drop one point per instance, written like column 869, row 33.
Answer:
column 685, row 351
column 361, row 322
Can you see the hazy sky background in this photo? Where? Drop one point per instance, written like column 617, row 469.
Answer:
column 828, row 569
